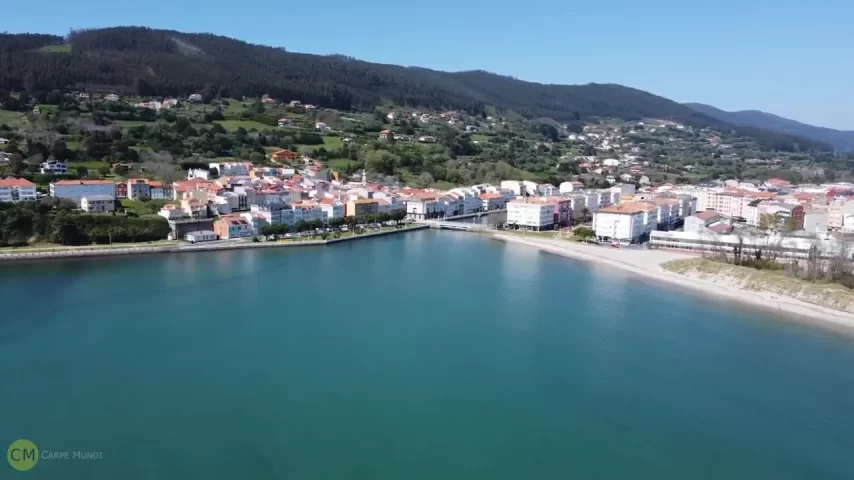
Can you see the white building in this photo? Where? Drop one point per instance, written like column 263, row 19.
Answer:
column 98, row 203
column 332, row 209
column 275, row 213
column 198, row 173
column 785, row 248
column 471, row 199
column 626, row 222
column 16, row 190
column 568, row 187
column 232, row 168
column 75, row 190
column 200, row 236
column 307, row 212
column 815, row 221
column 54, row 167
column 531, row 214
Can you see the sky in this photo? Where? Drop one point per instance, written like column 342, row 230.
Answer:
column 792, row 58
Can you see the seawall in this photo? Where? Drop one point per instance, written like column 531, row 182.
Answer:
column 84, row 252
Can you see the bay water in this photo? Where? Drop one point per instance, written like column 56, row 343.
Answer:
column 425, row 355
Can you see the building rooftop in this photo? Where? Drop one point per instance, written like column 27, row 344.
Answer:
column 708, row 215
column 16, row 182
column 99, row 198
column 628, row 208
column 84, row 182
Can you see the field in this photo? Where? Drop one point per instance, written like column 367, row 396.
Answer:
column 329, row 143
column 12, row 119
column 480, row 138
column 341, row 164
column 64, row 48
column 89, row 164
column 132, row 123
column 247, row 124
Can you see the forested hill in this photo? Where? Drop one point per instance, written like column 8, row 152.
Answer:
column 167, row 63
column 839, row 139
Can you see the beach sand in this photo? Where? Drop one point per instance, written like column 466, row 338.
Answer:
column 648, row 263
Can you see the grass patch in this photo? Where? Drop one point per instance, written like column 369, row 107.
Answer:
column 341, row 164
column 132, row 123
column 823, row 293
column 50, row 247
column 480, row 138
column 333, row 142
column 12, row 119
column 64, row 48
column 88, row 164
column 247, row 124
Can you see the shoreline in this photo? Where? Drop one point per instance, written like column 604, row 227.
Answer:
column 647, row 263
column 87, row 252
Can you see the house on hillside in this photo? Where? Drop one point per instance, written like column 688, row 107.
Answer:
column 386, row 135
column 285, row 122
column 322, row 127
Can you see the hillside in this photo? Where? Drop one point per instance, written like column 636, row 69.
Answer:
column 146, row 62
column 839, row 139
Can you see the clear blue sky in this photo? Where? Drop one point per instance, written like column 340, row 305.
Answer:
column 788, row 57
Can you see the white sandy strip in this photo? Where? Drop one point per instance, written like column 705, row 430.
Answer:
column 648, row 263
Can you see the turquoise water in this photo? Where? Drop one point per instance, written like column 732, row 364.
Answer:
column 429, row 355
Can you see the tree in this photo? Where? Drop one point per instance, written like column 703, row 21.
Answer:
column 17, row 164
column 82, row 171
column 351, row 221
column 301, row 226
column 583, row 233
column 269, row 230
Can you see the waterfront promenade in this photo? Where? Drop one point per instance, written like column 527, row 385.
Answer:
column 84, row 252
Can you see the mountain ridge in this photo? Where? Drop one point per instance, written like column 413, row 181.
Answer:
column 839, row 139
column 149, row 62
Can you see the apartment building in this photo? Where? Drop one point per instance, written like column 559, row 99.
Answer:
column 531, row 214
column 75, row 190
column 837, row 212
column 361, row 207
column 471, row 199
column 233, row 227
column 275, row 213
column 138, row 188
column 98, row 203
column 625, row 222
column 332, row 208
column 493, row 201
column 16, row 190
column 309, row 212
column 232, row 168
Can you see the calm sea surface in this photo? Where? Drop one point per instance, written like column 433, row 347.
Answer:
column 429, row 355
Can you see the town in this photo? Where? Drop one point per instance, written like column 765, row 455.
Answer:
column 323, row 173
column 238, row 200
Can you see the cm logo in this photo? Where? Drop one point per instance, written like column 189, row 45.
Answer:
column 22, row 455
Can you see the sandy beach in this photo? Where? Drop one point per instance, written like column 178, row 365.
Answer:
column 648, row 263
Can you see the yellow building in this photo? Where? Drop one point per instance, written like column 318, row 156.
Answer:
column 361, row 207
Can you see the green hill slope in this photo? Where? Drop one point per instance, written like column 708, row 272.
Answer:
column 160, row 63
